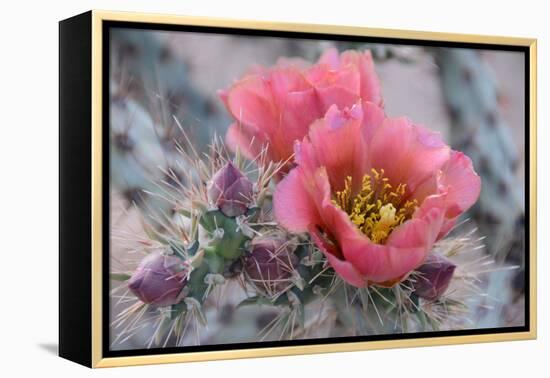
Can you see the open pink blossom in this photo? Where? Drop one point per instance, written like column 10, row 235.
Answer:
column 374, row 193
column 273, row 107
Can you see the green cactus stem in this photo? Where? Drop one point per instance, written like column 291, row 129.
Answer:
column 479, row 130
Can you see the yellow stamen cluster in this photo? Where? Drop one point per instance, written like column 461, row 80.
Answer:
column 377, row 208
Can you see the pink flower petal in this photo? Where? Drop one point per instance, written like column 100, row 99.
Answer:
column 276, row 105
column 236, row 137
column 461, row 186
column 298, row 111
column 377, row 262
column 416, row 153
column 346, row 270
column 293, row 204
column 330, row 58
column 336, row 95
column 338, row 139
column 250, row 102
column 285, row 80
column 373, row 118
column 421, row 231
column 370, row 84
column 347, row 78
column 447, row 226
column 464, row 185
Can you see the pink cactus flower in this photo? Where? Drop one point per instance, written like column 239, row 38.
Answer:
column 273, row 107
column 374, row 193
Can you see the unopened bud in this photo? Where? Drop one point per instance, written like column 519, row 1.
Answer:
column 270, row 263
column 230, row 190
column 433, row 277
column 159, row 279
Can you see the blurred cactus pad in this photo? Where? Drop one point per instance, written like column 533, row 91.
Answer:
column 198, row 255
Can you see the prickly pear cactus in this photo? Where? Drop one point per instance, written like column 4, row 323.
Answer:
column 151, row 97
column 472, row 96
column 477, row 127
column 240, row 276
column 246, row 279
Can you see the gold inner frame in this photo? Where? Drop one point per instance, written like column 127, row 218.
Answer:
column 97, row 183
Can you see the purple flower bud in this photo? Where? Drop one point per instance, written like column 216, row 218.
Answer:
column 434, row 277
column 270, row 263
column 230, row 190
column 159, row 279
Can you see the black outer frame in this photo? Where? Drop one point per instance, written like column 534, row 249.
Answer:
column 75, row 189
column 75, row 331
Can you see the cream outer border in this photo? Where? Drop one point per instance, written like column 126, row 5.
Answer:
column 99, row 16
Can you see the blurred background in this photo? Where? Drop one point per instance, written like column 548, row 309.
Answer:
column 475, row 98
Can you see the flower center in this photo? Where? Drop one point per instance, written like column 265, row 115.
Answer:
column 378, row 208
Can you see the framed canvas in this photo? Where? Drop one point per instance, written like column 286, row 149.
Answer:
column 235, row 189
